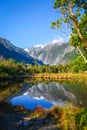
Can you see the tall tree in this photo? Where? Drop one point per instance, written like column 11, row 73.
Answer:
column 74, row 15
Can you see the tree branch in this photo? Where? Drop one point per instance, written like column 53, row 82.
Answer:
column 81, row 53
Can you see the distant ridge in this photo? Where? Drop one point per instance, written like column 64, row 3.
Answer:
column 53, row 53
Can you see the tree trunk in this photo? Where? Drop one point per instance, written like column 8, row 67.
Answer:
column 81, row 54
column 76, row 24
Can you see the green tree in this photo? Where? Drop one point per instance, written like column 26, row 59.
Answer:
column 74, row 16
column 75, row 39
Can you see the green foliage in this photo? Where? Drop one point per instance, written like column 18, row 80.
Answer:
column 57, row 24
column 74, row 17
column 79, row 65
column 65, row 7
column 75, row 40
column 10, row 68
column 81, row 120
column 83, row 25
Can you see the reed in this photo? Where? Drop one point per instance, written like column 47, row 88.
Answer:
column 60, row 76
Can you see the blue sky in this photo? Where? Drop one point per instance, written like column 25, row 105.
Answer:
column 27, row 22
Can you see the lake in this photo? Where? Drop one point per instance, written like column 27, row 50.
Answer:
column 49, row 93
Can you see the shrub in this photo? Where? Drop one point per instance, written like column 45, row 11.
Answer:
column 81, row 120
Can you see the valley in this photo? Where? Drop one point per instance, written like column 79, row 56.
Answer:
column 42, row 87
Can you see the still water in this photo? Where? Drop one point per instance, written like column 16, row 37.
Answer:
column 50, row 93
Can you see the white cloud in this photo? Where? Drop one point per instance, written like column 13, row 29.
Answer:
column 39, row 46
column 55, row 41
column 58, row 40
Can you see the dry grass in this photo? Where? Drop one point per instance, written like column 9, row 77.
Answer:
column 64, row 116
column 60, row 76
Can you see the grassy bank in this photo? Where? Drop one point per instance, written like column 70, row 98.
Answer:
column 56, row 118
column 46, row 76
column 60, row 76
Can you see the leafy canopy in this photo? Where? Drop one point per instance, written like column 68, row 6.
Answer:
column 74, row 15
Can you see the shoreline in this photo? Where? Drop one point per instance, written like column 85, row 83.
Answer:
column 55, row 76
column 60, row 76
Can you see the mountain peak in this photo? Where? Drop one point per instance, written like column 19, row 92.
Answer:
column 54, row 53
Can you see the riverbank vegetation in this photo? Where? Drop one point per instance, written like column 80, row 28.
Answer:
column 12, row 69
column 56, row 118
column 63, row 118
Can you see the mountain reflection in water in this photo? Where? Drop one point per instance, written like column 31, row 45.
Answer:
column 53, row 93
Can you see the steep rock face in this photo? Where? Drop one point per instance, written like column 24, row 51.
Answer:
column 53, row 54
column 8, row 50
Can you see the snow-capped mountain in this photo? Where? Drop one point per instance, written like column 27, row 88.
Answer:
column 53, row 53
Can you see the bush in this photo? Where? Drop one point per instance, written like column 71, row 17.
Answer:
column 81, row 120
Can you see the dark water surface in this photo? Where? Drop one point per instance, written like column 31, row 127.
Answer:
column 50, row 93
